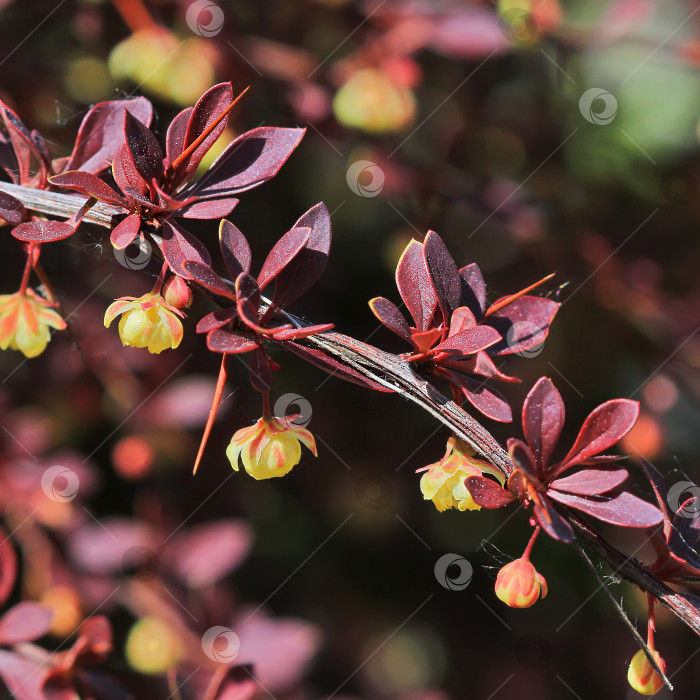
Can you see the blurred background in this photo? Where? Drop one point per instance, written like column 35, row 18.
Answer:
column 535, row 136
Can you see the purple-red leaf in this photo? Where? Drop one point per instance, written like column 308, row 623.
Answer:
column 487, row 400
column 554, row 524
column 591, row 482
column 249, row 160
column 101, row 133
column 390, row 315
column 208, row 208
column 487, row 493
column 308, row 265
column 144, row 148
column 523, row 459
column 180, row 246
column 41, row 231
column 175, row 138
column 204, row 275
column 260, row 372
column 24, row 622
column 224, row 341
column 473, row 289
column 603, row 428
column 216, row 319
column 11, row 209
column 282, row 253
column 624, row 509
column 89, row 184
column 470, row 341
column 444, row 273
column 234, row 249
column 415, row 287
column 543, row 419
column 125, row 231
column 523, row 324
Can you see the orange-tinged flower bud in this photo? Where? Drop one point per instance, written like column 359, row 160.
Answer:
column 642, row 676
column 443, row 482
column 177, row 293
column 519, row 584
column 25, row 320
column 147, row 322
column 269, row 448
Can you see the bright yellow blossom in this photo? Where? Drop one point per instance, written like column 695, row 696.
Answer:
column 269, row 448
column 443, row 482
column 642, row 676
column 147, row 322
column 25, row 319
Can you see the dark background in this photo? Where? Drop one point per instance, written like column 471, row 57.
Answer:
column 483, row 141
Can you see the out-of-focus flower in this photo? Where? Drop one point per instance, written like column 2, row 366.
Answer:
column 147, row 322
column 64, row 603
column 371, row 101
column 443, row 482
column 152, row 646
column 25, row 319
column 269, row 448
column 519, row 584
column 642, row 676
column 177, row 293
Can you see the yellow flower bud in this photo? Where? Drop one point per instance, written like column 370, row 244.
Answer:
column 25, row 320
column 519, row 584
column 147, row 322
column 642, row 676
column 443, row 482
column 269, row 448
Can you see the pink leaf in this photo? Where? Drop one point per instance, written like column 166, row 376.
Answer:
column 42, row 231
column 603, row 428
column 8, row 567
column 415, row 286
column 208, row 209
column 125, row 231
column 25, row 622
column 623, row 509
column 543, row 419
column 591, row 482
column 470, row 341
column 233, row 343
column 23, row 677
column 101, row 133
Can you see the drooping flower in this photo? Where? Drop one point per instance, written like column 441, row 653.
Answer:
column 270, row 447
column 519, row 584
column 147, row 321
column 642, row 676
column 443, row 482
column 25, row 320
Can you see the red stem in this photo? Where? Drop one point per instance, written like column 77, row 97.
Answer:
column 218, row 393
column 267, row 414
column 651, row 621
column 161, row 277
column 27, row 270
column 530, row 545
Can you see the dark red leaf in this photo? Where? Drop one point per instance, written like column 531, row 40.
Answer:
column 623, row 509
column 602, row 429
column 282, row 253
column 658, row 486
column 414, row 285
column 487, row 493
column 444, row 273
column 42, row 231
column 543, row 419
column 209, row 107
column 260, row 372
column 308, row 265
column 180, row 246
column 333, row 367
column 234, row 249
column 24, row 622
column 248, row 301
column 684, row 536
column 208, row 209
column 523, row 324
column 471, row 340
column 224, row 341
column 89, row 184
column 473, row 289
column 485, row 366
column 129, row 179
column 523, row 459
column 144, row 148
column 11, row 209
column 175, row 138
column 249, row 160
column 591, row 482
column 216, row 319
column 204, row 275
column 101, row 133
column 552, row 522
column 25, row 150
column 125, row 231
column 390, row 315
column 487, row 400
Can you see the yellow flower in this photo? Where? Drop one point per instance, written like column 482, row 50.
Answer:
column 147, row 322
column 25, row 320
column 269, row 448
column 443, row 482
column 519, row 584
column 642, row 676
